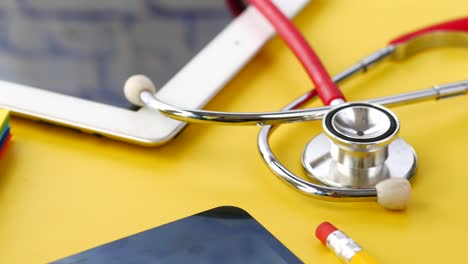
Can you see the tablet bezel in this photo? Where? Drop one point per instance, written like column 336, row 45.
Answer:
column 192, row 87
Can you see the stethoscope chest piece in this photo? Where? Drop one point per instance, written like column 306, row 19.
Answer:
column 359, row 148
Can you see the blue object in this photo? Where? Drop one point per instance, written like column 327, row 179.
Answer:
column 5, row 132
column 221, row 235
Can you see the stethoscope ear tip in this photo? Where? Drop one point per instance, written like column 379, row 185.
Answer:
column 394, row 193
column 135, row 85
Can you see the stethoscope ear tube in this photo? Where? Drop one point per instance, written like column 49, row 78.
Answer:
column 286, row 116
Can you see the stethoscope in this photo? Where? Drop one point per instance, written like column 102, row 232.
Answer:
column 359, row 157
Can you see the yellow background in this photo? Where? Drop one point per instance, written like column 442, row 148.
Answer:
column 62, row 192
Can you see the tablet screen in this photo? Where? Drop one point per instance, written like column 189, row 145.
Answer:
column 88, row 48
column 221, row 235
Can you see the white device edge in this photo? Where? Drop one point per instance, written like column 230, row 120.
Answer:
column 192, row 87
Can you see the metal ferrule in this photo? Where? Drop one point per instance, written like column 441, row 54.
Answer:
column 364, row 64
column 436, row 92
column 342, row 245
column 450, row 90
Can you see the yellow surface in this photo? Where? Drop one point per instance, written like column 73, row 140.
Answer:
column 362, row 258
column 62, row 192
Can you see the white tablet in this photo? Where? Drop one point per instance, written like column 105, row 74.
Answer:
column 66, row 62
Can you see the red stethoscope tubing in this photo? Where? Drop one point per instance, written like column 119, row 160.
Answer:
column 326, row 89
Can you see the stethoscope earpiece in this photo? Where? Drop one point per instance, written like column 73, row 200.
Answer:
column 394, row 194
column 135, row 85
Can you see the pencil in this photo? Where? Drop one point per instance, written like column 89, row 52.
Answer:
column 342, row 245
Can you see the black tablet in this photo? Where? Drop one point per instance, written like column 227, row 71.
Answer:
column 220, row 235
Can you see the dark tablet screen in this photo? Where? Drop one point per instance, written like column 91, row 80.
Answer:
column 221, row 235
column 88, row 48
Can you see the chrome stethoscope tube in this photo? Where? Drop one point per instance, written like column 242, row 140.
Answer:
column 289, row 116
column 259, row 118
column 299, row 115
